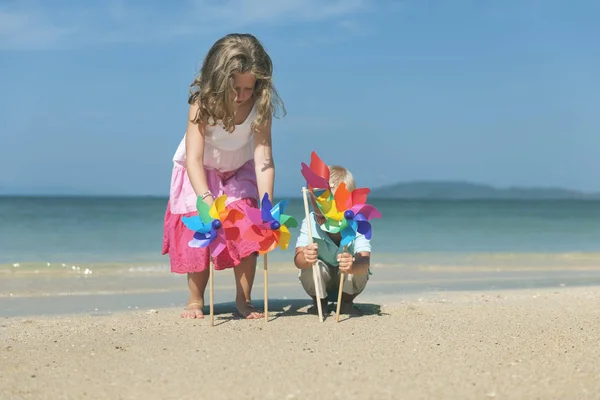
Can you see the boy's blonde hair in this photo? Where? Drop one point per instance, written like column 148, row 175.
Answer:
column 337, row 175
column 211, row 89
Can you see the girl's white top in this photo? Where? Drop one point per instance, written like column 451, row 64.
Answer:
column 224, row 151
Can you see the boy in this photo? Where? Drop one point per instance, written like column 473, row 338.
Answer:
column 330, row 258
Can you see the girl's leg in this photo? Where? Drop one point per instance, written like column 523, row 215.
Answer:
column 244, row 279
column 197, row 285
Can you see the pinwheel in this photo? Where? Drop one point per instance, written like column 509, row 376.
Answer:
column 213, row 227
column 345, row 212
column 270, row 225
column 342, row 206
column 270, row 228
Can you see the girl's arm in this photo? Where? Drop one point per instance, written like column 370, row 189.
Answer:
column 263, row 161
column 194, row 151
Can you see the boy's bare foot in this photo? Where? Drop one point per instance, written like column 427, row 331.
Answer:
column 349, row 308
column 314, row 308
column 247, row 310
column 193, row 310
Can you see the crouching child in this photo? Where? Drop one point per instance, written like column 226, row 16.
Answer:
column 330, row 257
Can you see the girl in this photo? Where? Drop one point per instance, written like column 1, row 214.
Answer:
column 226, row 150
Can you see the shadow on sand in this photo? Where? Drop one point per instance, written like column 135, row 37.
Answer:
column 278, row 308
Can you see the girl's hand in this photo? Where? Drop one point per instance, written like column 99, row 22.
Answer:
column 345, row 260
column 209, row 200
column 311, row 252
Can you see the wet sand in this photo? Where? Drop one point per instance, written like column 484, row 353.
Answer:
column 31, row 290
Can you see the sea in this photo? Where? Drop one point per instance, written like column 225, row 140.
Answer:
column 92, row 230
column 61, row 255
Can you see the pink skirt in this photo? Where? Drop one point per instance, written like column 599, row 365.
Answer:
column 242, row 192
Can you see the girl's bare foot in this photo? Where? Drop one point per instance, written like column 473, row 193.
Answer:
column 193, row 310
column 247, row 310
column 196, row 284
column 244, row 278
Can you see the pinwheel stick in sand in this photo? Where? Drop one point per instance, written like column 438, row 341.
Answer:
column 316, row 280
column 213, row 227
column 340, row 291
column 270, row 228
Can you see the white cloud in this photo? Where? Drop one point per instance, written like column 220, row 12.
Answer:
column 24, row 29
column 30, row 24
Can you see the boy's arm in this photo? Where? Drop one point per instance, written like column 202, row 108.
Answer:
column 355, row 265
column 362, row 262
column 359, row 263
column 299, row 258
column 301, row 243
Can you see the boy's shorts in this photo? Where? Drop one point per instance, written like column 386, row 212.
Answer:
column 330, row 281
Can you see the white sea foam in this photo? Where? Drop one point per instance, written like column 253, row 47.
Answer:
column 149, row 268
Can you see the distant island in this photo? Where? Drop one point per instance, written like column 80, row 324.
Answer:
column 416, row 190
column 449, row 190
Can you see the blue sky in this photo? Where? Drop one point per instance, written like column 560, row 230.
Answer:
column 499, row 92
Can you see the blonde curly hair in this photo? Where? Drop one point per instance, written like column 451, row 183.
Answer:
column 211, row 89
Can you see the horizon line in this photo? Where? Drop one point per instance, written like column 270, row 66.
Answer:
column 590, row 197
column 373, row 189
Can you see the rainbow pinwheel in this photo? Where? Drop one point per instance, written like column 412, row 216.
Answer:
column 270, row 226
column 214, row 225
column 346, row 212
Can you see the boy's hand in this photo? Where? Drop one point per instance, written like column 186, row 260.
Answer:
column 311, row 252
column 345, row 261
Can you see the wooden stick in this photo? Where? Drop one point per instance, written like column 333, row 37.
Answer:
column 316, row 279
column 266, row 272
column 339, row 299
column 212, row 300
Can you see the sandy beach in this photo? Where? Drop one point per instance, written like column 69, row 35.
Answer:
column 505, row 344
